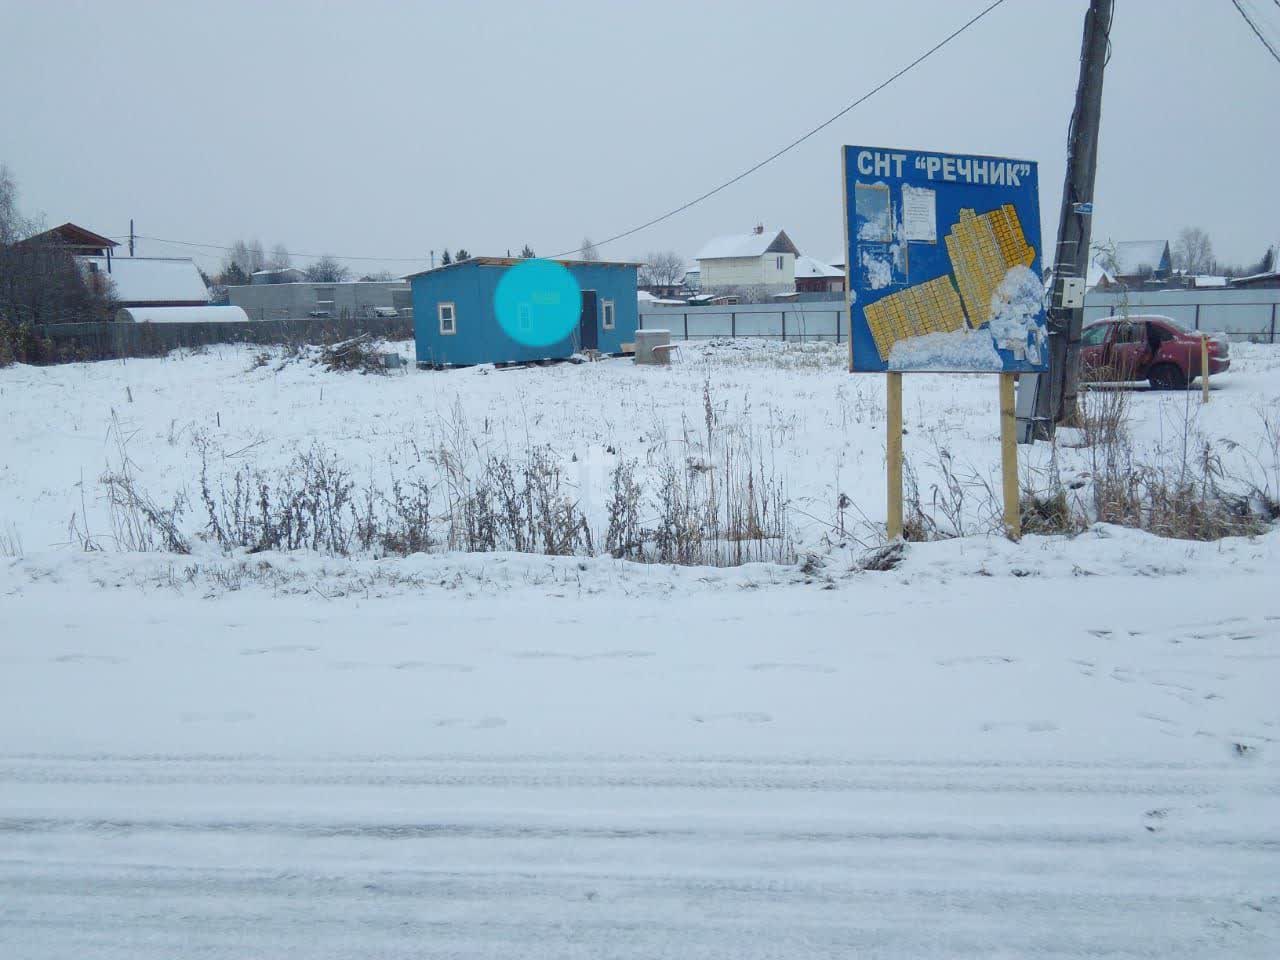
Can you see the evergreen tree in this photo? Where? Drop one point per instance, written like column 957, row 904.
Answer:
column 233, row 275
column 461, row 255
column 527, row 252
column 446, row 259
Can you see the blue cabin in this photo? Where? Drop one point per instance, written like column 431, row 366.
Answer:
column 463, row 314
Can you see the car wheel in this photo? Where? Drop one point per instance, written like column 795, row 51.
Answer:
column 1167, row 376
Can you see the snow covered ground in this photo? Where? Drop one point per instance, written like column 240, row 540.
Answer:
column 1054, row 748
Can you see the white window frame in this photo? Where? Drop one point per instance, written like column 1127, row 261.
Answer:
column 453, row 318
column 608, row 315
column 779, row 261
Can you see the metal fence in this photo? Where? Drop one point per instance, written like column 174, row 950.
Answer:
column 1248, row 314
column 1241, row 314
column 102, row 341
column 820, row 320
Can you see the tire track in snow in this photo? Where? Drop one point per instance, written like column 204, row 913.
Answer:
column 633, row 857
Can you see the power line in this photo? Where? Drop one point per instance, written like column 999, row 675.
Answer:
column 1256, row 32
column 795, row 143
column 309, row 256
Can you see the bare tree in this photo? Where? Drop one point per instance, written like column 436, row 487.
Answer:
column 279, row 259
column 662, row 269
column 587, row 251
column 247, row 256
column 13, row 226
column 327, row 270
column 1193, row 251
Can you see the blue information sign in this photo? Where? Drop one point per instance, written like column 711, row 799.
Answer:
column 943, row 262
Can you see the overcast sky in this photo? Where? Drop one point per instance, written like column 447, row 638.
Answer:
column 391, row 129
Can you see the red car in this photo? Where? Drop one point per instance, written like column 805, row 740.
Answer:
column 1158, row 349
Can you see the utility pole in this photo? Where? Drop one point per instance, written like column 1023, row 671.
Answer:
column 1055, row 392
column 131, row 236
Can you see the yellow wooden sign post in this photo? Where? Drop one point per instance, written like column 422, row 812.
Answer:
column 1009, row 456
column 893, row 453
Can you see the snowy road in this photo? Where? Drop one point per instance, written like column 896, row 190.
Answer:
column 676, row 764
column 164, row 857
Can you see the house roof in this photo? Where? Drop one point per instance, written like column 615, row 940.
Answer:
column 1206, row 281
column 207, row 314
column 809, row 267
column 1139, row 256
column 271, row 270
column 512, row 261
column 75, row 236
column 644, row 296
column 1257, row 279
column 740, row 245
column 151, row 279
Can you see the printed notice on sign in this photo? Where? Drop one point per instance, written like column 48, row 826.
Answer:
column 919, row 214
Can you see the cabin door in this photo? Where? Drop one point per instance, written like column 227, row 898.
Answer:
column 589, row 322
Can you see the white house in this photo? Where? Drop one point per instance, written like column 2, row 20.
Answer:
column 758, row 260
column 814, row 276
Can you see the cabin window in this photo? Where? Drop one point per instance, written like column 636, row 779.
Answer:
column 606, row 314
column 779, row 263
column 448, row 319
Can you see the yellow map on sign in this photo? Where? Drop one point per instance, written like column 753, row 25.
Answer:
column 982, row 248
column 929, row 307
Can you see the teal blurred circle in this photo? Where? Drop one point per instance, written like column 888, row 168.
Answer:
column 538, row 302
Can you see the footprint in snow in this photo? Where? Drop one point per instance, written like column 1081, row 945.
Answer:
column 229, row 716
column 87, row 658
column 481, row 723
column 796, row 667
column 282, row 648
column 741, row 716
column 987, row 658
column 601, row 655
column 1034, row 727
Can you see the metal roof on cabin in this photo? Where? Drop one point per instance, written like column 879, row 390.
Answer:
column 75, row 236
column 511, row 261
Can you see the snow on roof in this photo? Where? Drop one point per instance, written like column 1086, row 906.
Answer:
column 746, row 245
column 1096, row 276
column 1209, row 281
column 647, row 298
column 181, row 315
column 1137, row 256
column 809, row 267
column 151, row 279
